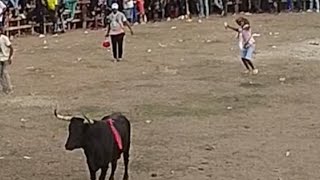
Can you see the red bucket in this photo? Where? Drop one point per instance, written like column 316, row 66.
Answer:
column 106, row 43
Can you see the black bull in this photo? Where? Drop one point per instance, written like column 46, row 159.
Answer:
column 98, row 143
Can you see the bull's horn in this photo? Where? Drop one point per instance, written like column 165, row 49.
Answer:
column 87, row 120
column 65, row 118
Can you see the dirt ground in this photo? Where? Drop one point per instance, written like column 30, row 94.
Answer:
column 209, row 121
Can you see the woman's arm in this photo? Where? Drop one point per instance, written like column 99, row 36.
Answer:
column 128, row 25
column 232, row 28
column 226, row 25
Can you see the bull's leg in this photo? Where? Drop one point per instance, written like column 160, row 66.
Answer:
column 92, row 174
column 103, row 173
column 91, row 165
column 126, row 163
column 113, row 169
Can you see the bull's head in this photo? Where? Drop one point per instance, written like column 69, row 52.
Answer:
column 77, row 129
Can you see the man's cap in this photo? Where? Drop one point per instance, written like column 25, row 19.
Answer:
column 115, row 6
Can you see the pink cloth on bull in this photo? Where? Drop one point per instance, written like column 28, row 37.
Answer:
column 116, row 134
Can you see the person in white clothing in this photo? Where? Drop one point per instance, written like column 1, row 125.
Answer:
column 6, row 52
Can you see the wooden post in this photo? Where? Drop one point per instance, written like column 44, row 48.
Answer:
column 19, row 24
column 44, row 25
column 96, row 18
column 225, row 2
column 32, row 29
column 7, row 24
column 84, row 11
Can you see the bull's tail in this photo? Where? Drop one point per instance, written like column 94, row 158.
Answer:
column 126, row 151
column 128, row 134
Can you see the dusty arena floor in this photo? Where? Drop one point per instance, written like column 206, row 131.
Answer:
column 208, row 120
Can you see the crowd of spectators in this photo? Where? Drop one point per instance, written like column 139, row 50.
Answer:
column 156, row 10
column 141, row 11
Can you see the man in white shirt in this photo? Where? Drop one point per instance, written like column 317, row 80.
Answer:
column 6, row 52
column 3, row 8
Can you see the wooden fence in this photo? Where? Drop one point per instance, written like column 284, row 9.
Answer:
column 18, row 26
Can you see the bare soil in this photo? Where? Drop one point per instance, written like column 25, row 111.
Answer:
column 209, row 121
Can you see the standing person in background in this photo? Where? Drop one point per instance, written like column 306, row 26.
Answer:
column 15, row 4
column 142, row 12
column 311, row 7
column 156, row 9
column 38, row 12
column 60, row 9
column 117, row 21
column 204, row 8
column 128, row 6
column 135, row 13
column 236, row 7
column 192, row 8
column 3, row 9
column 277, row 5
column 52, row 7
column 171, row 9
column 219, row 4
column 106, row 11
column 256, row 6
column 182, row 9
column 6, row 52
column 291, row 7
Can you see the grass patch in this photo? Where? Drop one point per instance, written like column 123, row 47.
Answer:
column 200, row 105
column 162, row 110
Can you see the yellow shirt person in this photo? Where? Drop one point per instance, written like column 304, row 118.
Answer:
column 52, row 4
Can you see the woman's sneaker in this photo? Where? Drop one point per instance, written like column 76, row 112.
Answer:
column 255, row 71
